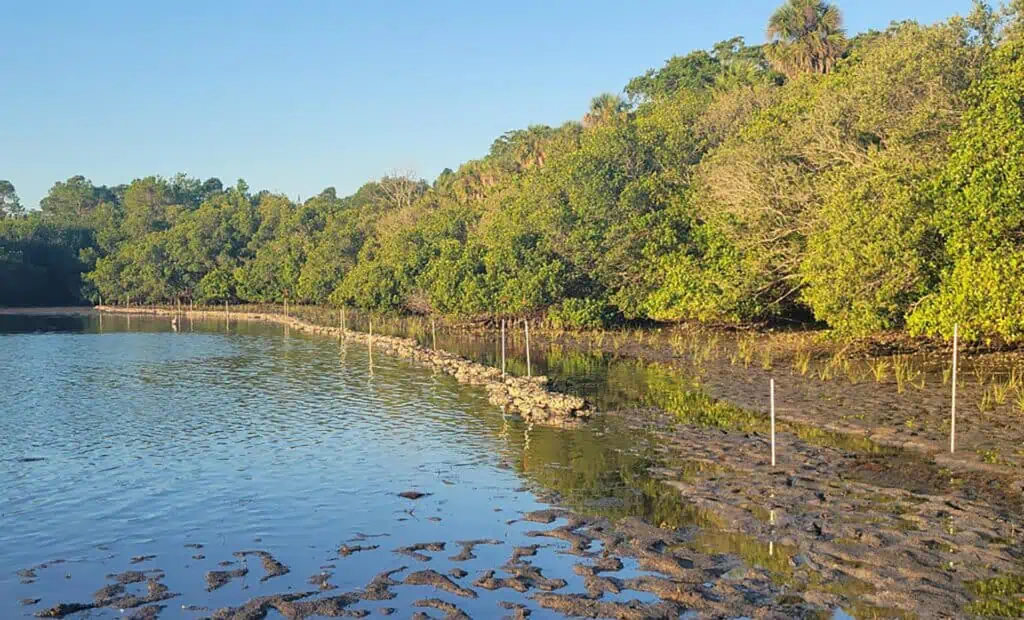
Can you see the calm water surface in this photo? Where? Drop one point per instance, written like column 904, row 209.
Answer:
column 127, row 439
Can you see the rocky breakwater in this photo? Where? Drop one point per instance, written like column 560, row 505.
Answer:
column 528, row 397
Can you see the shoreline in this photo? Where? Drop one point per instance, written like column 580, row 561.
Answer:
column 883, row 529
column 536, row 404
column 527, row 397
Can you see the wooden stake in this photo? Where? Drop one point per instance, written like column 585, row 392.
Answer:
column 503, row 348
column 952, row 416
column 433, row 332
column 526, row 323
column 772, row 389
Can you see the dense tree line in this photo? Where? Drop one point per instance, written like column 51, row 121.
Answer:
column 869, row 182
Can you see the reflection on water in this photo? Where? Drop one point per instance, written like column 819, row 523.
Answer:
column 135, row 441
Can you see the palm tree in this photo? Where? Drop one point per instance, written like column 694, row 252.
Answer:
column 604, row 109
column 805, row 36
column 523, row 148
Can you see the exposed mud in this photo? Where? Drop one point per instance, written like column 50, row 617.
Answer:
column 412, row 494
column 581, row 606
column 116, row 595
column 414, row 551
column 438, row 581
column 218, row 578
column 271, row 567
column 347, row 550
column 451, row 612
column 468, row 546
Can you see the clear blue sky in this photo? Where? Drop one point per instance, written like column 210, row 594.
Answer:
column 298, row 96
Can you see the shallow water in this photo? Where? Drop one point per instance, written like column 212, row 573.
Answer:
column 127, row 439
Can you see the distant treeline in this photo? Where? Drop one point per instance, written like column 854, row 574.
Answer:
column 869, row 183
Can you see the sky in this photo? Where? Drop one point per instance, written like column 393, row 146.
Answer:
column 298, row 96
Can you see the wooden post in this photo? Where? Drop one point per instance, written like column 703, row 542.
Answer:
column 772, row 390
column 369, row 344
column 341, row 319
column 433, row 332
column 286, row 306
column 526, row 323
column 952, row 416
column 503, row 348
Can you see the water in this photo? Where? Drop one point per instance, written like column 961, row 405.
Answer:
column 128, row 439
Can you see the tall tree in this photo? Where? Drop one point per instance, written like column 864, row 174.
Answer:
column 605, row 108
column 10, row 205
column 71, row 200
column 806, row 36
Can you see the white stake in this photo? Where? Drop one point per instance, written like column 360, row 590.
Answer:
column 503, row 348
column 772, row 389
column 952, row 418
column 529, row 372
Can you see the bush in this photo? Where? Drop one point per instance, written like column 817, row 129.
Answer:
column 581, row 314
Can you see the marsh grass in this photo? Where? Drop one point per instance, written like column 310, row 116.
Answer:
column 855, row 372
column 879, row 369
column 906, row 373
column 998, row 597
column 802, row 361
column 745, row 346
column 987, row 400
column 1000, row 392
column 979, row 375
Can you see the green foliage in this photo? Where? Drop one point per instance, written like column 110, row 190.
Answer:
column 216, row 286
column 879, row 138
column 580, row 314
column 10, row 204
column 39, row 262
column 876, row 185
column 981, row 193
